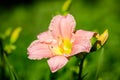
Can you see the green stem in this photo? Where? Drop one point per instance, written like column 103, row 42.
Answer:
column 5, row 62
column 3, row 76
column 53, row 76
column 81, row 68
column 11, row 70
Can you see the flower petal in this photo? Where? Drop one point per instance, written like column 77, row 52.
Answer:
column 84, row 34
column 82, row 41
column 45, row 37
column 54, row 26
column 38, row 50
column 62, row 26
column 57, row 62
column 67, row 26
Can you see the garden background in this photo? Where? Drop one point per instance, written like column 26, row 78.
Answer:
column 34, row 16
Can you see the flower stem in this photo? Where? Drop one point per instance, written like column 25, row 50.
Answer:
column 3, row 65
column 81, row 68
column 2, row 61
column 5, row 62
column 13, row 75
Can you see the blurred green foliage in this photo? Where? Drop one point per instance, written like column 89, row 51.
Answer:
column 94, row 15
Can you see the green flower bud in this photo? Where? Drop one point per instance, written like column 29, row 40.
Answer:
column 9, row 48
column 66, row 6
column 8, row 32
column 15, row 35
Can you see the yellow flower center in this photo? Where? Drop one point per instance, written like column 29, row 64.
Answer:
column 64, row 47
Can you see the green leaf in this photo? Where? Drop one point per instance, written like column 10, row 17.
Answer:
column 99, row 64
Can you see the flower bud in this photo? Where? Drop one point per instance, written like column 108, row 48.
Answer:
column 8, row 32
column 9, row 48
column 66, row 5
column 102, row 39
column 99, row 40
column 15, row 35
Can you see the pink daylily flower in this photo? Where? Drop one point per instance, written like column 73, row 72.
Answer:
column 60, row 42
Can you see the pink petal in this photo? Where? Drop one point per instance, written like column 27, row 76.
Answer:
column 67, row 26
column 38, row 50
column 54, row 26
column 45, row 37
column 57, row 62
column 82, row 41
column 62, row 26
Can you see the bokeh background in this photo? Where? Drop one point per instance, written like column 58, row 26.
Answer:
column 34, row 16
